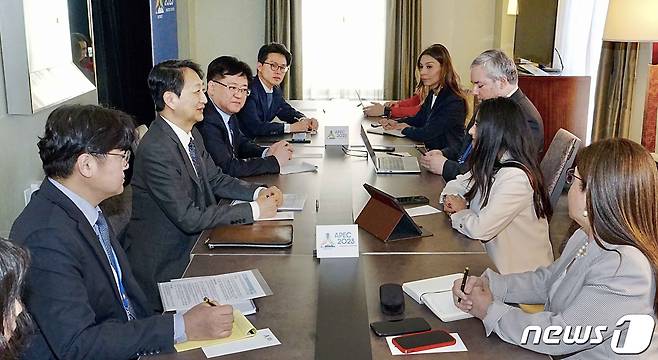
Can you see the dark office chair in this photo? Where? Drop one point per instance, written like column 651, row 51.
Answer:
column 558, row 159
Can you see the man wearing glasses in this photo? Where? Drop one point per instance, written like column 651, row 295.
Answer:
column 228, row 88
column 80, row 288
column 266, row 101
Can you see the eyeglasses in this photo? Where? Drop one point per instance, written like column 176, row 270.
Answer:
column 275, row 67
column 234, row 89
column 571, row 176
column 125, row 156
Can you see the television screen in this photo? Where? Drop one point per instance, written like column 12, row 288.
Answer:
column 534, row 37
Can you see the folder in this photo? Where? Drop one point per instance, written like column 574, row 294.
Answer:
column 242, row 329
column 436, row 294
column 262, row 235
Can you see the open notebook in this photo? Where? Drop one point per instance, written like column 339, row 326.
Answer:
column 436, row 293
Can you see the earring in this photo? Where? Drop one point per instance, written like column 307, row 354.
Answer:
column 585, row 213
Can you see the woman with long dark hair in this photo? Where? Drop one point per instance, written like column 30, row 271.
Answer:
column 502, row 201
column 608, row 269
column 15, row 321
column 440, row 121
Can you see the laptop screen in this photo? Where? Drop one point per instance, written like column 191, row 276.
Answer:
column 366, row 142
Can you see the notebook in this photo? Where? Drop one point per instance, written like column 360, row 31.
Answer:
column 381, row 131
column 390, row 164
column 436, row 294
column 242, row 329
column 263, row 235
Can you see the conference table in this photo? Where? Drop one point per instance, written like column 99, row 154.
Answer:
column 321, row 308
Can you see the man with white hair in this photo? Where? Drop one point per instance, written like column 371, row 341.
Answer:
column 493, row 74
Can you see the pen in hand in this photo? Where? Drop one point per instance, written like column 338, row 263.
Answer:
column 394, row 154
column 211, row 303
column 463, row 283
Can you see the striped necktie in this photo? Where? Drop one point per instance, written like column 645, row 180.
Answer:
column 194, row 155
column 104, row 237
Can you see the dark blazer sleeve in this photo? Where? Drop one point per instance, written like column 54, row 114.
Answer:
column 249, row 162
column 163, row 173
column 59, row 301
column 285, row 112
column 252, row 119
column 448, row 115
column 451, row 169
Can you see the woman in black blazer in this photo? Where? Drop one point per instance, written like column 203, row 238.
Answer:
column 440, row 121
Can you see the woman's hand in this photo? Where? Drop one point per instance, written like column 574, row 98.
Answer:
column 395, row 126
column 374, row 109
column 453, row 204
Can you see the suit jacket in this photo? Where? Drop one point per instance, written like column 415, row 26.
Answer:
column 71, row 292
column 507, row 224
column 255, row 117
column 596, row 289
column 172, row 205
column 243, row 157
column 452, row 168
column 440, row 125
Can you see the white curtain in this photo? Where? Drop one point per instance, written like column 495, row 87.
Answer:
column 578, row 38
column 343, row 48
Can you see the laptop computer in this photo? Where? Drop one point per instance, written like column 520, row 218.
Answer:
column 361, row 104
column 390, row 164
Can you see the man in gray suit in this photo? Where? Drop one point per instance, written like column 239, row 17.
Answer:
column 178, row 191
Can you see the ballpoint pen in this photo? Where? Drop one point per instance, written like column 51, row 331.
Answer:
column 207, row 301
column 463, row 282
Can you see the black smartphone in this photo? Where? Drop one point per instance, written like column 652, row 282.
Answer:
column 375, row 124
column 413, row 200
column 423, row 341
column 399, row 327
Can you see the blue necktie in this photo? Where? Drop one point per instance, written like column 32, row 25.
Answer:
column 467, row 152
column 269, row 99
column 194, row 155
column 104, row 236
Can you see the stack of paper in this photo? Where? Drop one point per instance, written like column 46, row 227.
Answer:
column 436, row 293
column 296, row 166
column 293, row 202
column 235, row 288
column 242, row 328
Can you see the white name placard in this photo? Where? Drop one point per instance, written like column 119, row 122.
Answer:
column 337, row 241
column 336, row 135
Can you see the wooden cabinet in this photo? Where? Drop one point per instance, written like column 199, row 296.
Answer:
column 562, row 102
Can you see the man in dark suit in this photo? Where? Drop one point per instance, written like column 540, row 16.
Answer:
column 493, row 74
column 266, row 100
column 228, row 88
column 80, row 289
column 178, row 191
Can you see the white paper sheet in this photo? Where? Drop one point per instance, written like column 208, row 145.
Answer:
column 283, row 215
column 307, row 155
column 422, row 210
column 295, row 166
column 293, row 202
column 459, row 346
column 264, row 338
column 182, row 294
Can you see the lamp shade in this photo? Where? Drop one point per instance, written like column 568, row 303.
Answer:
column 631, row 20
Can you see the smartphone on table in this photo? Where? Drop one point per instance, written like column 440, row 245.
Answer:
column 399, row 327
column 423, row 341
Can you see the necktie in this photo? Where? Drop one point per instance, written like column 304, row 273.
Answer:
column 466, row 153
column 194, row 155
column 104, row 236
column 231, row 124
column 269, row 100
